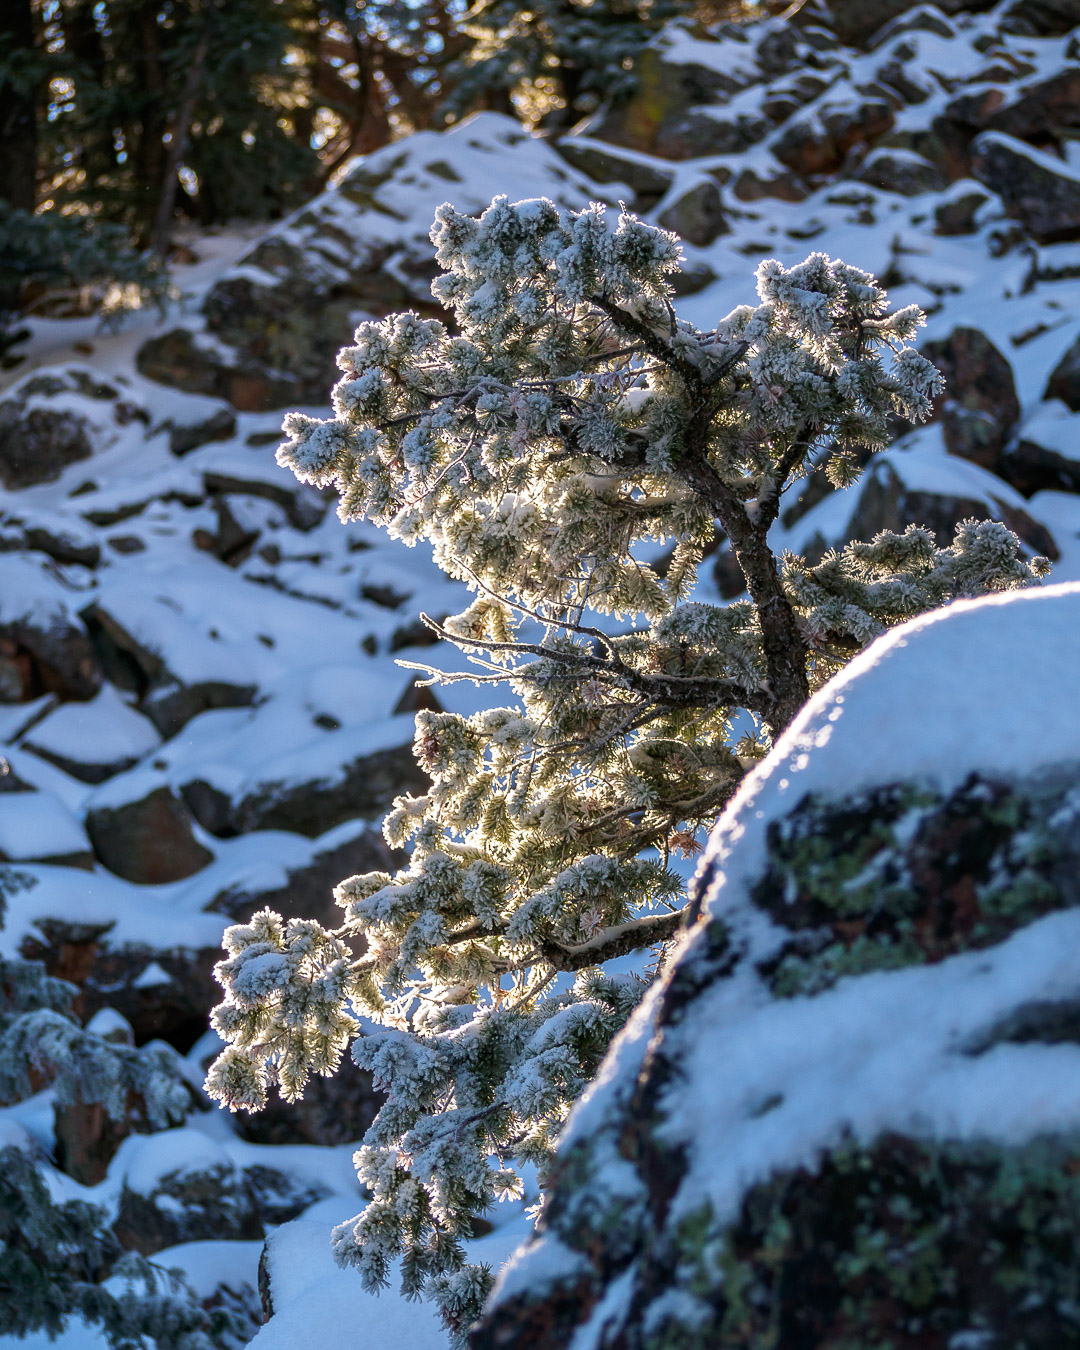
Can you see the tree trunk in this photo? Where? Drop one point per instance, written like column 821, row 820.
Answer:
column 181, row 128
column 18, row 114
column 151, row 157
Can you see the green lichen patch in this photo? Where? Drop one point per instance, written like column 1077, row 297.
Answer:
column 904, row 1245
column 900, row 875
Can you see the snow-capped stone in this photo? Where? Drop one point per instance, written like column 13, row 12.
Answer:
column 1038, row 189
column 979, row 406
column 93, row 740
column 145, row 837
column 55, row 417
column 1064, row 381
column 870, row 1027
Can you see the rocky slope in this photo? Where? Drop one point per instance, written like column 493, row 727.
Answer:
column 849, row 1113
column 199, row 706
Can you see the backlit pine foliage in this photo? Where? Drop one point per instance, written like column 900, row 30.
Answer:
column 569, row 453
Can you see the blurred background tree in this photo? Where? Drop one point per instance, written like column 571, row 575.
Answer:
column 146, row 115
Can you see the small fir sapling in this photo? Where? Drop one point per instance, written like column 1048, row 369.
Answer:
column 55, row 1254
column 571, row 420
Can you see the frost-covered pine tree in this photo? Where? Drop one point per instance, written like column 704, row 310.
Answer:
column 58, row 1257
column 547, row 449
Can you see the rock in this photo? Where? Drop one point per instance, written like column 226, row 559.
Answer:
column 308, row 891
column 900, row 171
column 979, row 406
column 819, row 144
column 332, row 1111
column 135, row 662
column 943, row 143
column 693, row 277
column 1064, row 381
column 752, row 186
column 649, row 179
column 955, row 212
column 363, row 787
column 886, row 502
column 55, row 417
column 57, row 659
column 697, row 215
column 62, row 543
column 665, row 115
column 160, row 994
column 205, row 1197
column 37, row 827
column 862, row 23
column 93, row 740
column 1042, row 111
column 922, row 19
column 1049, row 17
column 216, row 425
column 883, row 967
column 1037, row 190
column 186, row 360
column 1030, row 468
column 303, row 506
column 272, row 324
column 147, row 839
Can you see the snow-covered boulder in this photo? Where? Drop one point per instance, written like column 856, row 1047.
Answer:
column 54, row 417
column 850, row 1112
column 272, row 325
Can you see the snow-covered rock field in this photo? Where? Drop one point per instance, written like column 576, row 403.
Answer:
column 201, row 710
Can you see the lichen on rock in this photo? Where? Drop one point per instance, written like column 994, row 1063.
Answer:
column 849, row 1114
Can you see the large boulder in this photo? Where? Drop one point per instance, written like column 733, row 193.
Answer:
column 1064, row 381
column 820, row 141
column 680, row 77
column 849, row 1114
column 142, row 831
column 1039, row 190
column 55, row 417
column 979, row 406
column 696, row 215
column 44, row 649
column 272, row 325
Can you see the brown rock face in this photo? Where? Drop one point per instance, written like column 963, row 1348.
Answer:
column 1041, row 111
column 38, row 441
column 906, row 174
column 332, row 1111
column 819, row 145
column 1064, row 381
column 365, row 789
column 857, row 21
column 698, row 215
column 979, row 406
column 658, row 118
column 54, row 658
column 38, row 445
column 887, row 503
column 1043, row 198
column 149, row 841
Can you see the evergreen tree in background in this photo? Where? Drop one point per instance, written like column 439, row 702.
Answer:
column 56, row 1255
column 549, row 450
column 560, row 56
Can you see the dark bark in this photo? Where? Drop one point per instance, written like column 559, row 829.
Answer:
column 18, row 114
column 181, row 128
column 151, row 157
